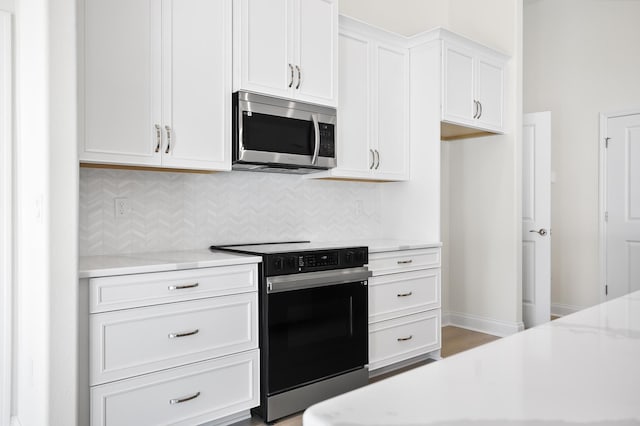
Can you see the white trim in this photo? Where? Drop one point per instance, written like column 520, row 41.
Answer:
column 6, row 210
column 560, row 310
column 484, row 325
column 602, row 195
column 229, row 420
column 602, row 192
column 15, row 421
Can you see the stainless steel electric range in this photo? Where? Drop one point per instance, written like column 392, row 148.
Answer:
column 313, row 323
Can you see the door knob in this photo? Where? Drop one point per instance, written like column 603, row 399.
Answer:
column 541, row 231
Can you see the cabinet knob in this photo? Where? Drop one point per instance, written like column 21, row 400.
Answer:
column 299, row 77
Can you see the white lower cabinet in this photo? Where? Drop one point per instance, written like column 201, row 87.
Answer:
column 177, row 347
column 188, row 395
column 403, row 338
column 404, row 306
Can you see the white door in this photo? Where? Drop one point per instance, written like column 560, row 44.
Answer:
column 316, row 30
column 489, row 85
column 622, row 205
column 536, row 218
column 354, row 110
column 121, row 82
column 197, row 84
column 391, row 122
column 458, row 85
column 264, row 31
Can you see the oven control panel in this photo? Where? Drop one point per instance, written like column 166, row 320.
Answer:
column 292, row 263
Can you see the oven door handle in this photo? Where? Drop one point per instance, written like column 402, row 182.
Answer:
column 282, row 283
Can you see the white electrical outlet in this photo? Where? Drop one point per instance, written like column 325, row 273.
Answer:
column 122, row 207
column 359, row 208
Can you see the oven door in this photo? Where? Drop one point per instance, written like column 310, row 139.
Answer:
column 317, row 326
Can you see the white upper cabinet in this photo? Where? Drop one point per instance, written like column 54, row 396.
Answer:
column 373, row 107
column 287, row 48
column 472, row 85
column 156, row 83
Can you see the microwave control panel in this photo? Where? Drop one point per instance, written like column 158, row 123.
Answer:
column 327, row 140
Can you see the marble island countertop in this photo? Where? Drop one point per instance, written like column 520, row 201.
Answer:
column 582, row 369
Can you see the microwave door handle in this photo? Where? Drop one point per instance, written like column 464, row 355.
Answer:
column 316, row 145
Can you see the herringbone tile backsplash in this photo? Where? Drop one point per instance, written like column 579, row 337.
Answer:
column 181, row 211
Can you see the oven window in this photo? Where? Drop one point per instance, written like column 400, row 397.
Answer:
column 316, row 333
column 270, row 133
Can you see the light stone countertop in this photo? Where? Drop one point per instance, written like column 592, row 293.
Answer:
column 138, row 263
column 383, row 245
column 580, row 369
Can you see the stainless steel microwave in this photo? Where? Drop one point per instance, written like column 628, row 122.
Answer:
column 279, row 135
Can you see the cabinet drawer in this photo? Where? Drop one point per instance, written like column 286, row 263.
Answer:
column 404, row 260
column 223, row 387
column 403, row 293
column 130, row 291
column 137, row 341
column 403, row 338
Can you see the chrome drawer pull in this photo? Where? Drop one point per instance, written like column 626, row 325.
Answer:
column 182, row 287
column 405, row 294
column 402, row 339
column 183, row 334
column 404, row 262
column 185, row 399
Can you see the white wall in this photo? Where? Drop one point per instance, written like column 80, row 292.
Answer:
column 6, row 208
column 46, row 212
column 581, row 59
column 406, row 17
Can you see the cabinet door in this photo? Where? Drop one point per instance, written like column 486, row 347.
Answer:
column 316, row 32
column 354, row 110
column 489, row 93
column 392, row 118
column 263, row 30
column 458, row 85
column 121, row 82
column 197, row 84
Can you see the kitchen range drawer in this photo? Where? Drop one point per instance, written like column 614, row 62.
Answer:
column 137, row 341
column 404, row 260
column 130, row 291
column 403, row 293
column 403, row 338
column 188, row 395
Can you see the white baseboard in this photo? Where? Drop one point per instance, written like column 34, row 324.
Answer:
column 446, row 319
column 482, row 324
column 560, row 310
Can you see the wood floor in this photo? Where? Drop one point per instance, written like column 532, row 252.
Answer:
column 454, row 340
